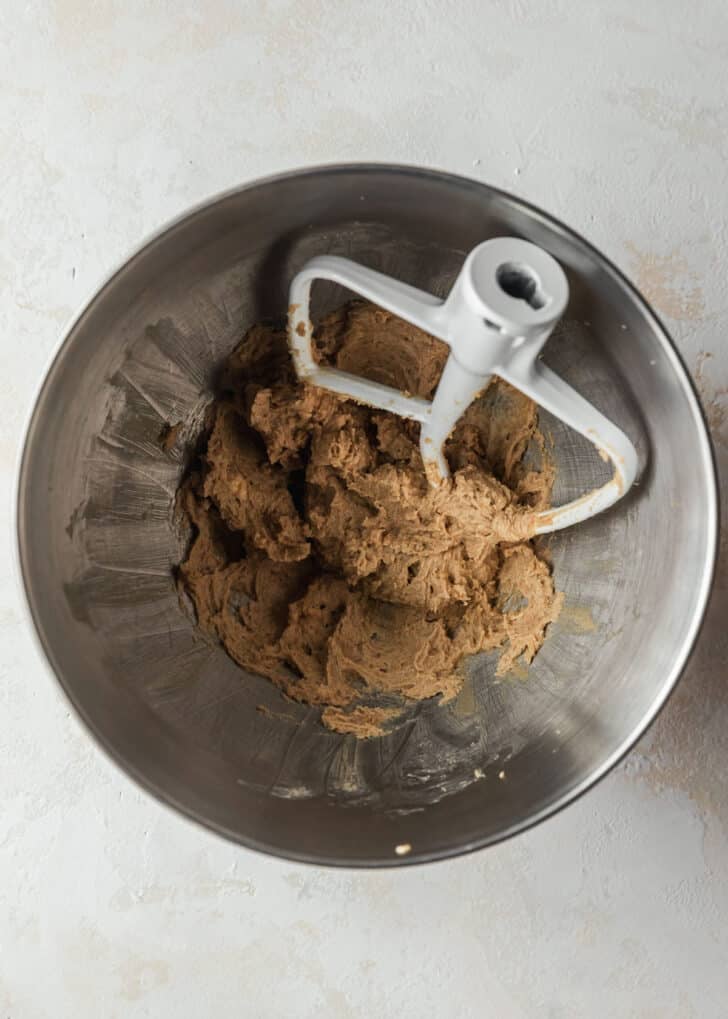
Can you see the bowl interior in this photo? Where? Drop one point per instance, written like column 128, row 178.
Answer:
column 98, row 544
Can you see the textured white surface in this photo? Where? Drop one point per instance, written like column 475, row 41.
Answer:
column 115, row 116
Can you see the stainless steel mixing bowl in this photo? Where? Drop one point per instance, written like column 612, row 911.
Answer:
column 98, row 545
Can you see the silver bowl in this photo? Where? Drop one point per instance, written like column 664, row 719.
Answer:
column 98, row 544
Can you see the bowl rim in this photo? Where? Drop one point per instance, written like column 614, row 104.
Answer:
column 712, row 511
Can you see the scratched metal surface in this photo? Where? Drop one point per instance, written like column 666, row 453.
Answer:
column 127, row 541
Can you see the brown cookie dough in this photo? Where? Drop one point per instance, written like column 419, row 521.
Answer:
column 322, row 558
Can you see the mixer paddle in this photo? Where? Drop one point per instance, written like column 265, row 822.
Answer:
column 502, row 308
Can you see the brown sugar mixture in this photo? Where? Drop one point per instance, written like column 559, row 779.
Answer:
column 323, row 559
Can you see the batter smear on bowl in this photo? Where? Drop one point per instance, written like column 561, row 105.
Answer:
column 320, row 555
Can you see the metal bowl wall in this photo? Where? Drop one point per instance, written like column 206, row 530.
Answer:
column 98, row 544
